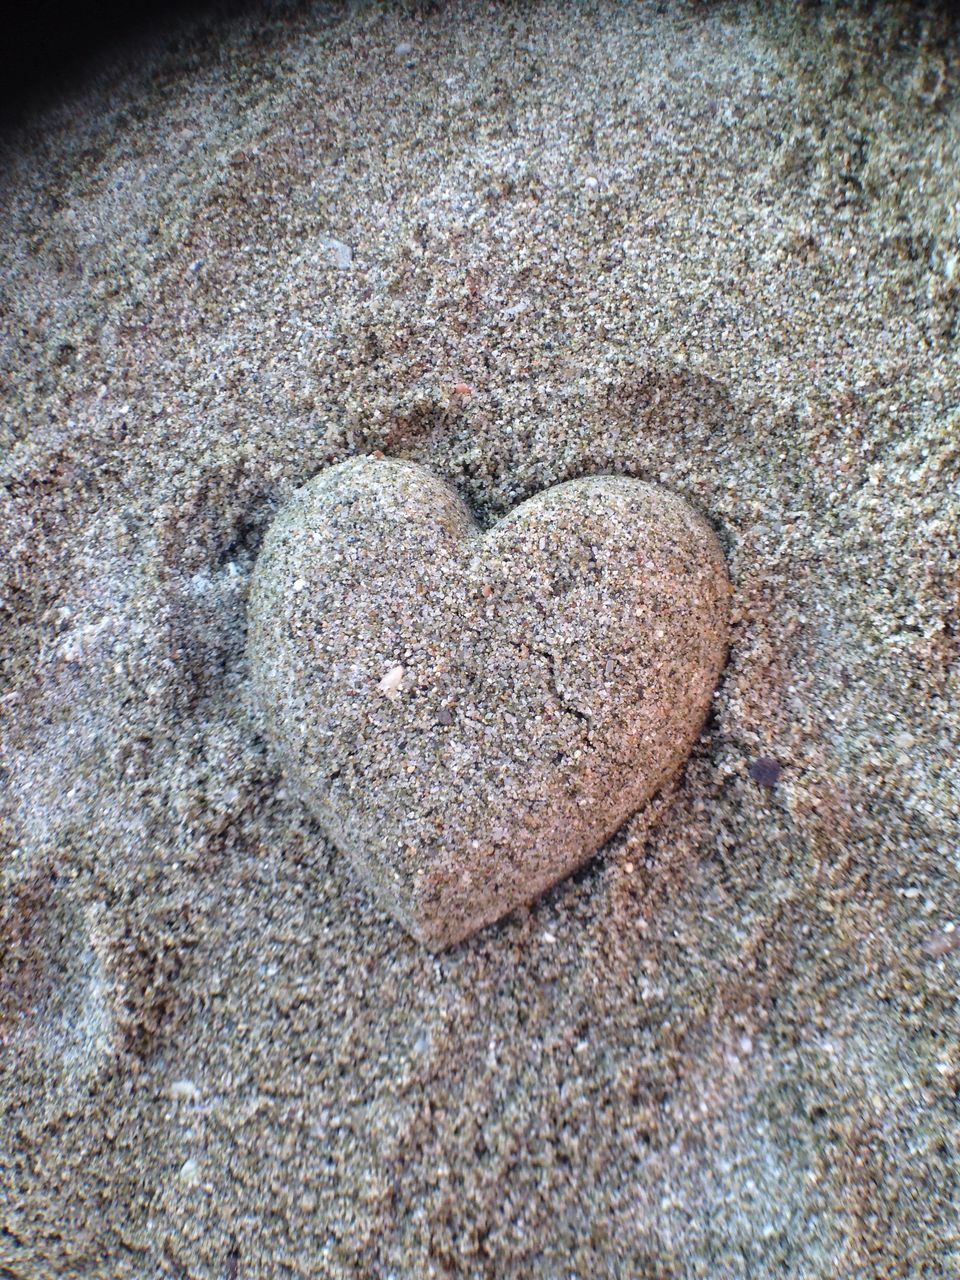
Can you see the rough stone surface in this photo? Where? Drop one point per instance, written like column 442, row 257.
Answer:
column 471, row 715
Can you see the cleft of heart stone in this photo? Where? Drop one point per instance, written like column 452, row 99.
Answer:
column 471, row 714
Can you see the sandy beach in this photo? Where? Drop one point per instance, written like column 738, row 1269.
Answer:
column 715, row 247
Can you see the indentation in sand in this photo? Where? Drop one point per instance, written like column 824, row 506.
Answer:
column 55, row 1004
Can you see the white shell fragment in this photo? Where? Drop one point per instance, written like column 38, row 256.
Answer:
column 184, row 1091
column 390, row 683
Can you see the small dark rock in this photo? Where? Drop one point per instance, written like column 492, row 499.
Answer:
column 766, row 771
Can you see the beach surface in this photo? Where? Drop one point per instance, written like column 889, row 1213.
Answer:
column 714, row 247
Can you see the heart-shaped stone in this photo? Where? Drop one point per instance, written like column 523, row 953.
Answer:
column 472, row 714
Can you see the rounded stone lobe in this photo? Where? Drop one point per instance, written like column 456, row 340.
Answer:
column 469, row 714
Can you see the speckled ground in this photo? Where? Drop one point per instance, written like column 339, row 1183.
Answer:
column 711, row 246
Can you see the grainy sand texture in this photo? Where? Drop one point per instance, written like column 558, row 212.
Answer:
column 472, row 715
column 714, row 247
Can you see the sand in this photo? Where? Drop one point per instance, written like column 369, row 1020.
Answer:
column 712, row 247
column 470, row 714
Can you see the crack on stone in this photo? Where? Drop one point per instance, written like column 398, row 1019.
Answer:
column 565, row 703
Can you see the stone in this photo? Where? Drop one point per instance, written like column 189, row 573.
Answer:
column 339, row 255
column 470, row 714
column 766, row 771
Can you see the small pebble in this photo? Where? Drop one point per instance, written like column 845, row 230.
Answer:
column 391, row 681
column 766, row 771
column 338, row 254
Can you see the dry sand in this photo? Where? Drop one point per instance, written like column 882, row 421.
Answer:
column 711, row 246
